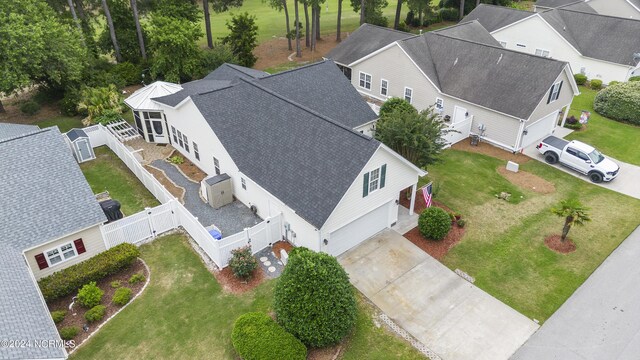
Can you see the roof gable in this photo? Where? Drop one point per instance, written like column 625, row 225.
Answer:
column 141, row 98
column 229, row 72
column 470, row 30
column 364, row 41
column 493, row 17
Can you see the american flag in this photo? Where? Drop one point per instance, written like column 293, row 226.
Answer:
column 426, row 193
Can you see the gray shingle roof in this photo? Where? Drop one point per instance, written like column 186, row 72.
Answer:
column 471, row 30
column 494, row 17
column 555, row 3
column 305, row 159
column 323, row 88
column 73, row 134
column 44, row 196
column 12, row 130
column 503, row 80
column 362, row 42
column 230, row 71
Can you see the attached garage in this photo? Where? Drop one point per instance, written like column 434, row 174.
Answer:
column 359, row 230
column 539, row 129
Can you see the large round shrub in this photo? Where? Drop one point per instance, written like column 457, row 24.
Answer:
column 90, row 295
column 581, row 79
column 396, row 104
column 434, row 223
column 620, row 102
column 314, row 300
column 256, row 336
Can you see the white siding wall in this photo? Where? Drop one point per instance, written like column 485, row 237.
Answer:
column 394, row 66
column 188, row 119
column 399, row 176
column 565, row 98
column 93, row 243
column 535, row 33
column 619, row 8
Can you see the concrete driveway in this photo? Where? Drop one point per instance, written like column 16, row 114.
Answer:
column 600, row 320
column 447, row 314
column 626, row 182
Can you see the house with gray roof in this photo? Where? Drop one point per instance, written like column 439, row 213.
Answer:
column 295, row 143
column 51, row 220
column 599, row 46
column 508, row 98
column 629, row 9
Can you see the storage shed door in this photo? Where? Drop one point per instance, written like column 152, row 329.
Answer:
column 84, row 150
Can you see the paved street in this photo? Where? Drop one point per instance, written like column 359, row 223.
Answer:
column 449, row 315
column 601, row 320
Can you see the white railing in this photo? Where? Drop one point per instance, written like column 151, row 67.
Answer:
column 461, row 131
column 172, row 214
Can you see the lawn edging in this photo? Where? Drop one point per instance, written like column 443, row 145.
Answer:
column 117, row 312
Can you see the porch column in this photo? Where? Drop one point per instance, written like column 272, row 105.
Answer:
column 565, row 114
column 414, row 189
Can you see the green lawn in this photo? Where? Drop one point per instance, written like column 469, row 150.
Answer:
column 184, row 314
column 108, row 173
column 64, row 123
column 611, row 137
column 503, row 247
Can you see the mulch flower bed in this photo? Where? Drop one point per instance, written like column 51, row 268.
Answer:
column 75, row 316
column 176, row 191
column 230, row 283
column 554, row 242
column 189, row 169
column 279, row 245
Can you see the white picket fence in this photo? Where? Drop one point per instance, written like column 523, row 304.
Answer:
column 152, row 222
column 461, row 131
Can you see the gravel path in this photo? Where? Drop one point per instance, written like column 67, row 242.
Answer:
column 230, row 219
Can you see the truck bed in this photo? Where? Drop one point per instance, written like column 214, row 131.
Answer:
column 555, row 142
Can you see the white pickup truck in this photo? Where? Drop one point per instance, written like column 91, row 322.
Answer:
column 580, row 157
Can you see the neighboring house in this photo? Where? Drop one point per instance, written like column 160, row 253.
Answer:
column 601, row 47
column 51, row 220
column 294, row 143
column 509, row 98
column 620, row 8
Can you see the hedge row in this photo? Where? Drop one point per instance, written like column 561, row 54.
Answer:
column 69, row 280
column 256, row 336
column 620, row 102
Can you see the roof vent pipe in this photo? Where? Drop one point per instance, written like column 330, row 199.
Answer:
column 420, row 31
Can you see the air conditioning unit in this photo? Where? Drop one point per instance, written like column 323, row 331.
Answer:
column 219, row 190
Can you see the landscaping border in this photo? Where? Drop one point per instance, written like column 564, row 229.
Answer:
column 69, row 352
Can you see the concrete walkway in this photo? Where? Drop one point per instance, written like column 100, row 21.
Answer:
column 449, row 315
column 601, row 320
column 230, row 219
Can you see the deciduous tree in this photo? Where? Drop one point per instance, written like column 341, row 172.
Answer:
column 174, row 47
column 243, row 38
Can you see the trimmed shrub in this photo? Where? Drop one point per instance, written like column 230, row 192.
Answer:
column 116, row 284
column 449, row 14
column 69, row 332
column 595, row 84
column 620, row 102
column 90, row 295
column 634, row 78
column 136, row 278
column 30, row 107
column 69, row 280
column 581, row 79
column 242, row 262
column 613, row 83
column 461, row 223
column 313, row 299
column 256, row 336
column 58, row 316
column 572, row 123
column 402, row 26
column 177, row 159
column 96, row 313
column 122, row 296
column 434, row 223
column 394, row 104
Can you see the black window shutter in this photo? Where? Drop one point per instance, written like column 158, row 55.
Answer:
column 383, row 175
column 42, row 262
column 560, row 88
column 79, row 246
column 550, row 93
column 365, row 185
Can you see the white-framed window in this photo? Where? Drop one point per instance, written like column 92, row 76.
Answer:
column 374, row 180
column 196, row 153
column 384, row 87
column 365, row 80
column 60, row 253
column 439, row 104
column 521, row 45
column 216, row 165
column 555, row 92
column 503, row 44
column 408, row 94
column 542, row 52
column 180, row 138
column 186, row 142
column 244, row 183
column 175, row 137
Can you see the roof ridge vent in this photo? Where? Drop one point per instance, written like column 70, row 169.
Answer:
column 499, row 59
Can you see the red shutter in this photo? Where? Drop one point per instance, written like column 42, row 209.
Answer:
column 42, row 261
column 79, row 246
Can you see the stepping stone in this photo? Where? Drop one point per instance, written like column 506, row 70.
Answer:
column 263, row 259
column 267, row 263
column 272, row 269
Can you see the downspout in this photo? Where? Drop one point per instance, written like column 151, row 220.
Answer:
column 517, row 146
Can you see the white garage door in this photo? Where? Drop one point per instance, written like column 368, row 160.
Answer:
column 539, row 129
column 359, row 230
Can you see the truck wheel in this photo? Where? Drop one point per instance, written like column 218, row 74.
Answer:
column 595, row 177
column 550, row 158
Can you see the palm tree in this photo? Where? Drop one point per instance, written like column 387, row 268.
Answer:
column 136, row 18
column 573, row 212
column 338, row 35
column 112, row 30
column 207, row 23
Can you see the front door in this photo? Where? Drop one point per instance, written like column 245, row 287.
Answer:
column 155, row 126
